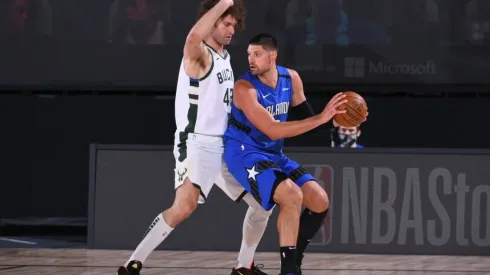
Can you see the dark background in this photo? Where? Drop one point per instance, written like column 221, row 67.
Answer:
column 70, row 77
column 85, row 44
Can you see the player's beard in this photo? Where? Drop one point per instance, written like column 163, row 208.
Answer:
column 219, row 39
column 222, row 40
column 261, row 71
column 265, row 70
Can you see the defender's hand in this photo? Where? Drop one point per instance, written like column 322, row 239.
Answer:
column 229, row 2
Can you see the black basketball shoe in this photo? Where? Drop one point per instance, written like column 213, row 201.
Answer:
column 133, row 268
column 255, row 270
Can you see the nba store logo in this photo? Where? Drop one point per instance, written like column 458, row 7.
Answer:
column 325, row 177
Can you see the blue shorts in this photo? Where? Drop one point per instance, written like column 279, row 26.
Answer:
column 261, row 172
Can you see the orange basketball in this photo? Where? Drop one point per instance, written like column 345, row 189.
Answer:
column 356, row 111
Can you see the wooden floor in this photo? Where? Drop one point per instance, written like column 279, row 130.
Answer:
column 94, row 262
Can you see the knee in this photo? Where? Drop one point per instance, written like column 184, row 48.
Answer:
column 288, row 193
column 323, row 202
column 255, row 212
column 319, row 202
column 183, row 209
column 258, row 214
column 188, row 208
column 315, row 197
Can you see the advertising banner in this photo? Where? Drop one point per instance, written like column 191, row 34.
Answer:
column 381, row 201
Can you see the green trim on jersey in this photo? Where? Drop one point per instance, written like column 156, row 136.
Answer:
column 183, row 136
column 210, row 68
column 224, row 57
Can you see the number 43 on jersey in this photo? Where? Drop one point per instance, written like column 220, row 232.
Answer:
column 228, row 96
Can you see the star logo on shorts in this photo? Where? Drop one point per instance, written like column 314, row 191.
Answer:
column 252, row 173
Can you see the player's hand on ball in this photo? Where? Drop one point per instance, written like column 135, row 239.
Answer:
column 331, row 109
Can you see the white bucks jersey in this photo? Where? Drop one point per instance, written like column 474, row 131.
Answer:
column 202, row 105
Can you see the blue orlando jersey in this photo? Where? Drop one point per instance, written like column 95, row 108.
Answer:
column 275, row 101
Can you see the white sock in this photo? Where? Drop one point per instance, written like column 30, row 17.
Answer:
column 154, row 236
column 254, row 226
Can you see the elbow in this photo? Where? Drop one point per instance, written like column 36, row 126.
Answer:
column 275, row 137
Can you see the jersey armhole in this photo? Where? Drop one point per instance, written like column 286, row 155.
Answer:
column 210, row 68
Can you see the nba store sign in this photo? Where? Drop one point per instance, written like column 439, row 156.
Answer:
column 403, row 206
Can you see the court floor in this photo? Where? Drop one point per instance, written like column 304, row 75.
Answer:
column 95, row 262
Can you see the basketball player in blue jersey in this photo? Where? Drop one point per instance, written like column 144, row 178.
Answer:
column 254, row 142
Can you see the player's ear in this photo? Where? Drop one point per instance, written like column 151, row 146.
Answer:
column 274, row 54
column 358, row 132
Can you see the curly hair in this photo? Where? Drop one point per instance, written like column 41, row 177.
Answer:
column 238, row 11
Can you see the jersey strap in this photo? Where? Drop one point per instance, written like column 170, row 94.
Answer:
column 213, row 50
column 283, row 72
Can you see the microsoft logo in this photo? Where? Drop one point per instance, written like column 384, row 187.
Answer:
column 354, row 66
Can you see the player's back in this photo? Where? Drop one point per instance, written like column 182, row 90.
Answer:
column 201, row 105
column 275, row 101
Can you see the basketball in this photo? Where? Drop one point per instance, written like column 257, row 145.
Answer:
column 356, row 111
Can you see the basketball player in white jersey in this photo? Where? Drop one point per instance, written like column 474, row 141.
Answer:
column 204, row 94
